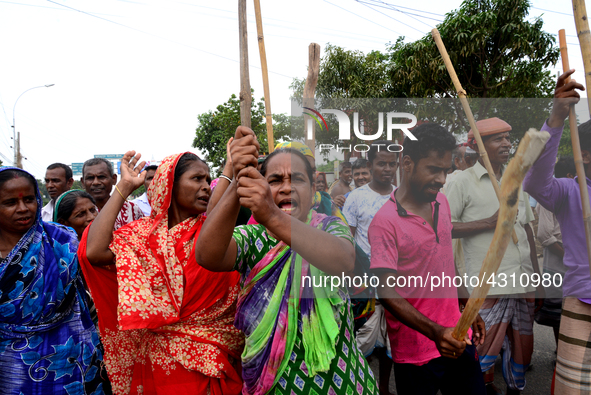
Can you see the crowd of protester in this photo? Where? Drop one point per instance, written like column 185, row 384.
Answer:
column 203, row 287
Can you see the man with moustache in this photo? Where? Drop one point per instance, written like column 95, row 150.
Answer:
column 98, row 178
column 411, row 235
column 509, row 313
column 361, row 173
column 58, row 179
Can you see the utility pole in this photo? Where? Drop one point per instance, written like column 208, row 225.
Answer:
column 18, row 158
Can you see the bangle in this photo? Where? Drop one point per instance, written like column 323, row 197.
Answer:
column 226, row 178
column 117, row 188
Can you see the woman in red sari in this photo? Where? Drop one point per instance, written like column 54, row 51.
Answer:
column 165, row 322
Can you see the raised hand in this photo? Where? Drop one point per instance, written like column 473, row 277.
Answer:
column 564, row 95
column 255, row 194
column 244, row 149
column 132, row 176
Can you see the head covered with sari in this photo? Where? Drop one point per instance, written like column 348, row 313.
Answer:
column 47, row 339
column 171, row 319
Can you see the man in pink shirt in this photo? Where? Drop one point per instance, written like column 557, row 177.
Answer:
column 411, row 246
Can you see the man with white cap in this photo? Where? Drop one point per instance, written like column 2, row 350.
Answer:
column 509, row 310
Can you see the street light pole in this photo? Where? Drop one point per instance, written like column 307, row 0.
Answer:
column 16, row 143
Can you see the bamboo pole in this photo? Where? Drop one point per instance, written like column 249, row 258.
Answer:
column 469, row 115
column 245, row 93
column 530, row 148
column 582, row 24
column 310, row 87
column 263, row 53
column 574, row 136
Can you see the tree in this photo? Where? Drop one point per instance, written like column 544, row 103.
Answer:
column 217, row 127
column 495, row 50
column 43, row 190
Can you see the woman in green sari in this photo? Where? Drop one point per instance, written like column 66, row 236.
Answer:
column 299, row 337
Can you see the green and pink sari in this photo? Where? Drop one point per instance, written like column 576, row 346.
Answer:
column 299, row 338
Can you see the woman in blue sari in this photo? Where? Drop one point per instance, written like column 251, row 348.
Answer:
column 48, row 343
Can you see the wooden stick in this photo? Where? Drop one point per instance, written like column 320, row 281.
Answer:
column 261, row 39
column 245, row 93
column 469, row 115
column 530, row 148
column 310, row 87
column 574, row 136
column 582, row 24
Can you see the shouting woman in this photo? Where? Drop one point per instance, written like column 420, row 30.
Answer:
column 299, row 338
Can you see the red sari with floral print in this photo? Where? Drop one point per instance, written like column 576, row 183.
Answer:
column 165, row 322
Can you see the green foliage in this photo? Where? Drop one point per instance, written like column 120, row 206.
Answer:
column 497, row 52
column 327, row 167
column 43, row 189
column 217, row 127
column 77, row 185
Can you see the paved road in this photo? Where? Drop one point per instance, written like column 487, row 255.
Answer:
column 539, row 377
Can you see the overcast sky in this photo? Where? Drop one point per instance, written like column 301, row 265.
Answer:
column 135, row 74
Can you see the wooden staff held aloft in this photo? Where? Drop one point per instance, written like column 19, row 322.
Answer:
column 470, row 116
column 582, row 24
column 574, row 136
column 310, row 87
column 245, row 93
column 261, row 39
column 530, row 148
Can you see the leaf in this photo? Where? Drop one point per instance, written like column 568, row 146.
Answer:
column 30, row 357
column 75, row 388
column 89, row 376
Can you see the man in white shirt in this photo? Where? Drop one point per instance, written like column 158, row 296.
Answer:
column 361, row 206
column 142, row 200
column 58, row 179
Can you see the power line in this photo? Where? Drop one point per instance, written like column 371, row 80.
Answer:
column 391, row 17
column 388, row 6
column 412, row 9
column 163, row 38
column 369, row 20
column 556, row 12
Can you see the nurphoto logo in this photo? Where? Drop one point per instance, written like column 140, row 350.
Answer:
column 345, row 128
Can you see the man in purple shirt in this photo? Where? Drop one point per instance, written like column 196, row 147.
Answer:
column 562, row 197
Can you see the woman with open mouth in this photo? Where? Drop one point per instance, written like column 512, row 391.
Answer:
column 299, row 338
column 48, row 342
column 166, row 323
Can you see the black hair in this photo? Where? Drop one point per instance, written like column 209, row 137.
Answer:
column 151, row 167
column 345, row 165
column 8, row 175
column 430, row 137
column 309, row 169
column 359, row 164
column 375, row 147
column 98, row 161
column 585, row 135
column 68, row 203
column 564, row 166
column 66, row 168
column 183, row 164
